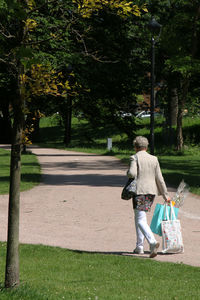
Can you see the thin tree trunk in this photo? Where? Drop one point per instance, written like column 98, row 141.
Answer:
column 182, row 101
column 6, row 122
column 172, row 113
column 68, row 121
column 179, row 130
column 12, row 258
column 173, row 107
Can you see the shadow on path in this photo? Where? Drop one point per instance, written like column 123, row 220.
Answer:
column 80, row 165
column 84, row 179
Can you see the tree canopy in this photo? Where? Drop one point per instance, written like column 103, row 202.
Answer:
column 37, row 39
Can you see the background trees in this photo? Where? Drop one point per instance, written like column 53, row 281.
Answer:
column 22, row 50
column 109, row 54
column 36, row 44
column 92, row 57
column 178, row 60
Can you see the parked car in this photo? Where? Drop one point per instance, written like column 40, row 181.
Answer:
column 124, row 114
column 144, row 114
column 147, row 114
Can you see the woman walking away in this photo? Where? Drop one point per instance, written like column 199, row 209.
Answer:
column 150, row 182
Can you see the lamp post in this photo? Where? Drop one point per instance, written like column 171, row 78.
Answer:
column 155, row 28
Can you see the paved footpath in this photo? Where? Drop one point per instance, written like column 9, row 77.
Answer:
column 78, row 206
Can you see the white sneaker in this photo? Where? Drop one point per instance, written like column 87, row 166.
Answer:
column 153, row 249
column 138, row 251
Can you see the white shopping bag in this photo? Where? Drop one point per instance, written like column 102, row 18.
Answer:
column 172, row 241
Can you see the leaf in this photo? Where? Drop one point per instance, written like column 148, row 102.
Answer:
column 3, row 4
column 24, row 52
column 87, row 7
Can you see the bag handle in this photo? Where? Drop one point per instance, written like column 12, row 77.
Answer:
column 172, row 213
column 166, row 215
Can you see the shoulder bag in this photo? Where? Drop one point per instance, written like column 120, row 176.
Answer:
column 130, row 188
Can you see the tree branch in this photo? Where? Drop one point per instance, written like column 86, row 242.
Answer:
column 41, row 6
column 50, row 38
column 7, row 62
column 99, row 59
column 194, row 34
column 38, row 42
column 89, row 54
column 5, row 33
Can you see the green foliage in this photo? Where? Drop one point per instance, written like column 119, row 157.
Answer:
column 122, row 8
column 186, row 66
column 98, row 49
column 177, row 57
column 178, row 45
column 3, row 4
column 55, row 273
column 191, row 131
column 117, row 74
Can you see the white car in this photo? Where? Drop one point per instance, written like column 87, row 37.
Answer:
column 144, row 114
column 124, row 114
column 147, row 114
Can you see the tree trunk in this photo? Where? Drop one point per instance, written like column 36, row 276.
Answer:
column 12, row 259
column 182, row 100
column 173, row 107
column 68, row 122
column 35, row 136
column 33, row 121
column 179, row 130
column 5, row 122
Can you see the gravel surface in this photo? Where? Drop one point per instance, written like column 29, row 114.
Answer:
column 78, row 206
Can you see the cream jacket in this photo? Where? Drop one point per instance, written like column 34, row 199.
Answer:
column 148, row 173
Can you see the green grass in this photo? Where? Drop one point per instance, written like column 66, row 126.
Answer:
column 187, row 167
column 55, row 274
column 84, row 137
column 30, row 171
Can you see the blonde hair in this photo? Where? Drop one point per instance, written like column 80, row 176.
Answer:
column 140, row 142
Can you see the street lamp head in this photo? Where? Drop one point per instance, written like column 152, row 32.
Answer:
column 154, row 26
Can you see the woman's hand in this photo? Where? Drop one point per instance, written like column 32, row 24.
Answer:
column 168, row 200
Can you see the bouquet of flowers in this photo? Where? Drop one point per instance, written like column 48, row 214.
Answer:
column 180, row 195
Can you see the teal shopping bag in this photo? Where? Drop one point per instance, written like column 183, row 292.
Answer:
column 158, row 217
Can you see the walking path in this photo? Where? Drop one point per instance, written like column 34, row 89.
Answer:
column 78, row 206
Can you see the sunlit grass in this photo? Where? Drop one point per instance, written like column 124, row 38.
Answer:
column 55, row 274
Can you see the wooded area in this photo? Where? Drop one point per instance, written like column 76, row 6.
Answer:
column 90, row 58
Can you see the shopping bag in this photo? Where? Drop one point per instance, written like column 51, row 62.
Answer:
column 172, row 241
column 158, row 217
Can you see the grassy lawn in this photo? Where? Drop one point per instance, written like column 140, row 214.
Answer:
column 187, row 167
column 30, row 171
column 55, row 274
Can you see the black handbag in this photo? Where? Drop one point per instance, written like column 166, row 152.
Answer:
column 130, row 189
column 131, row 186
